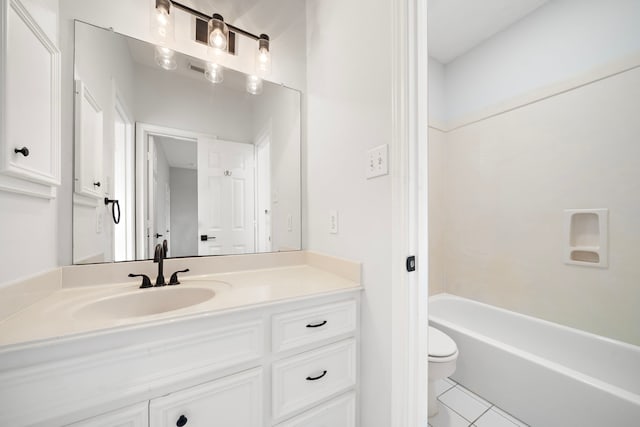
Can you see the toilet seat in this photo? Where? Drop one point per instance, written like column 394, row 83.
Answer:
column 441, row 346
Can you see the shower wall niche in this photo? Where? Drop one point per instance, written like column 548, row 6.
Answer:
column 586, row 237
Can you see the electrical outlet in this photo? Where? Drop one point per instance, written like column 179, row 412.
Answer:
column 99, row 221
column 377, row 161
column 333, row 222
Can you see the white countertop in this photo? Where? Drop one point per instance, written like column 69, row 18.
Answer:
column 58, row 315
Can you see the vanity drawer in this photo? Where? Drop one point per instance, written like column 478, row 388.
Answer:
column 297, row 328
column 339, row 412
column 305, row 379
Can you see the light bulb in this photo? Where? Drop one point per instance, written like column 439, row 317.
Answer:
column 218, row 32
column 254, row 85
column 162, row 22
column 165, row 58
column 218, row 40
column 214, row 72
column 263, row 56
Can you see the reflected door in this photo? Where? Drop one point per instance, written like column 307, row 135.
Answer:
column 226, row 197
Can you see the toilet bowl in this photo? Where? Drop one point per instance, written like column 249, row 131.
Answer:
column 443, row 354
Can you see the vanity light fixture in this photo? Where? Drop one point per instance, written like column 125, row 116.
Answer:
column 165, row 58
column 162, row 22
column 254, row 85
column 218, row 39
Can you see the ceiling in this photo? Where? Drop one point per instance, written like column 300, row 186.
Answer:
column 457, row 26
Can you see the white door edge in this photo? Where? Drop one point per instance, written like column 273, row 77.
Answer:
column 409, row 291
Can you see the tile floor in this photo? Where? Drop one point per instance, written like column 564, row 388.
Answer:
column 460, row 407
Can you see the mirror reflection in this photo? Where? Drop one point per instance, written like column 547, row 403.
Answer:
column 168, row 155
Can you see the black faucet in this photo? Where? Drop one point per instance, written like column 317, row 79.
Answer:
column 159, row 256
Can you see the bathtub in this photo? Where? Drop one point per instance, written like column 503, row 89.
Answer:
column 542, row 373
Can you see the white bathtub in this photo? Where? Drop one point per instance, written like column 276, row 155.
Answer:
column 542, row 373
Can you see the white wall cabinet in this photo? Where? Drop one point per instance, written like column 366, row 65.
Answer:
column 30, row 105
column 290, row 364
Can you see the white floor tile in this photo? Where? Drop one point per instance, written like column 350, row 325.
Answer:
column 443, row 385
column 446, row 417
column 509, row 417
column 465, row 403
column 475, row 396
column 492, row 418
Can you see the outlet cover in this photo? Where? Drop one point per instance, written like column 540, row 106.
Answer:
column 333, row 222
column 377, row 161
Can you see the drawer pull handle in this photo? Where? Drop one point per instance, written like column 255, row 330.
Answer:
column 24, row 151
column 182, row 421
column 318, row 377
column 317, row 325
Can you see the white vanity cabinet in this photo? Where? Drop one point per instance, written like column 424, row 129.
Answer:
column 30, row 104
column 289, row 363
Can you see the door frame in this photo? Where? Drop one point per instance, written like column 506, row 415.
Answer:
column 409, row 290
column 143, row 131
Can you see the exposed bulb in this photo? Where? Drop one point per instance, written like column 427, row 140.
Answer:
column 254, row 85
column 165, row 58
column 263, row 56
column 263, row 62
column 218, row 40
column 214, row 72
column 162, row 24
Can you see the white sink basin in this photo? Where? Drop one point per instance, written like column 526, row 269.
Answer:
column 144, row 302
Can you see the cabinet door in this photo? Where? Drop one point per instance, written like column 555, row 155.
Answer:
column 131, row 416
column 340, row 412
column 233, row 401
column 30, row 104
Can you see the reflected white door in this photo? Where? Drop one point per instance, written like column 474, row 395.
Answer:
column 263, row 194
column 226, row 197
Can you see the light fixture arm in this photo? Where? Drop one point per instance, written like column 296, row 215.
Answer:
column 206, row 17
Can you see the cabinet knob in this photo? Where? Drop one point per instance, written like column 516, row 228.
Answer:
column 24, row 151
column 181, row 421
column 96, row 184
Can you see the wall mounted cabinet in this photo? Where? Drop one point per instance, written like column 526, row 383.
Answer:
column 30, row 110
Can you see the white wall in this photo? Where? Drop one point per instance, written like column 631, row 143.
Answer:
column 277, row 113
column 437, row 98
column 28, row 226
column 184, row 211
column 556, row 42
column 348, row 112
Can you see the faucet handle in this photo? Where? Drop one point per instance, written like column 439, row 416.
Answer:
column 146, row 282
column 174, row 277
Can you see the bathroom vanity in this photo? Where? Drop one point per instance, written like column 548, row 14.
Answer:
column 260, row 347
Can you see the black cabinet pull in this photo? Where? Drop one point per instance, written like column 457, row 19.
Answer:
column 318, row 377
column 182, row 421
column 317, row 325
column 204, row 237
column 158, row 235
column 24, row 151
column 96, row 184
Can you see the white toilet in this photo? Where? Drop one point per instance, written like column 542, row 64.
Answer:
column 443, row 354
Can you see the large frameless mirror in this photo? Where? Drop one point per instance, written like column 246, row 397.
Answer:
column 165, row 154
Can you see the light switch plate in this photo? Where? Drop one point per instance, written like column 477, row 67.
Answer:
column 377, row 161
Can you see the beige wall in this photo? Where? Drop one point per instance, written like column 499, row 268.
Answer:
column 436, row 210
column 507, row 179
